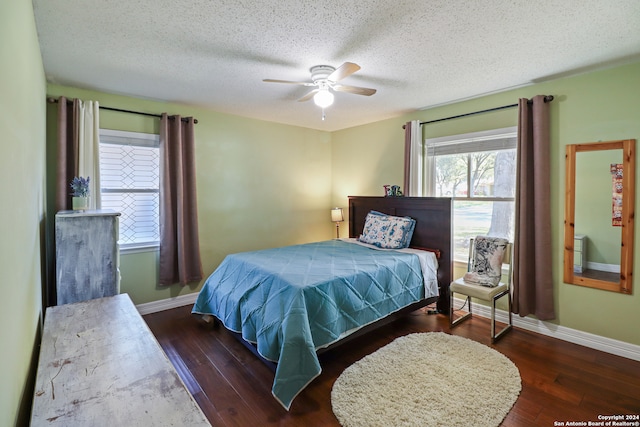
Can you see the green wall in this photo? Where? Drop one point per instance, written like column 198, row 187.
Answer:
column 22, row 174
column 259, row 184
column 262, row 184
column 600, row 105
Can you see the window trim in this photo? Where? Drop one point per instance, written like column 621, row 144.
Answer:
column 135, row 248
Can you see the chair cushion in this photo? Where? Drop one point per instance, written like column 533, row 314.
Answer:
column 476, row 291
column 488, row 255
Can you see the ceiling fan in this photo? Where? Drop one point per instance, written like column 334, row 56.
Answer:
column 325, row 78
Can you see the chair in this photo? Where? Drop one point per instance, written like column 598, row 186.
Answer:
column 485, row 293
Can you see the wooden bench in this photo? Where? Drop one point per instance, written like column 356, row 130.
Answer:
column 101, row 365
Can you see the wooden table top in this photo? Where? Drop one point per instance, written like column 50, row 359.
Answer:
column 101, row 365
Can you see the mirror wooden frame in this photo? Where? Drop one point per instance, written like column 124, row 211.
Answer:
column 625, row 284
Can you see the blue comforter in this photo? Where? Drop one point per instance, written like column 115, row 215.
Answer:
column 293, row 300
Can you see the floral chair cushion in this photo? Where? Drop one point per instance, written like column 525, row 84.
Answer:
column 487, row 261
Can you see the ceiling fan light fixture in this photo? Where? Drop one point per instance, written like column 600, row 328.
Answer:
column 325, row 79
column 323, row 98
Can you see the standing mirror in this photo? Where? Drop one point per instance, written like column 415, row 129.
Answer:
column 599, row 211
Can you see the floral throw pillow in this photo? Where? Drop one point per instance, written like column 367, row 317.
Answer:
column 487, row 261
column 387, row 231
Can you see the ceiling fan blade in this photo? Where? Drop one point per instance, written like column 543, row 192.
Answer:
column 343, row 71
column 288, row 82
column 309, row 95
column 354, row 89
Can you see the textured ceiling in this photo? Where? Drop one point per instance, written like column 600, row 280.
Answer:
column 416, row 53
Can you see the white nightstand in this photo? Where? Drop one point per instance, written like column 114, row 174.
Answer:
column 579, row 253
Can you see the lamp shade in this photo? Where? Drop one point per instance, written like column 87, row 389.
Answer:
column 323, row 98
column 336, row 215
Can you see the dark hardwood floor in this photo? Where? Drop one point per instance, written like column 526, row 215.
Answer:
column 560, row 381
column 599, row 275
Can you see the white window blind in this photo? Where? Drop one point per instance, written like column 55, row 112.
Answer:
column 493, row 140
column 130, row 182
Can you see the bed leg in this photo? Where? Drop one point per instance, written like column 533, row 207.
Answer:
column 209, row 321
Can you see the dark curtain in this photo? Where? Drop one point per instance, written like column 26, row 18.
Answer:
column 67, row 147
column 533, row 279
column 179, row 244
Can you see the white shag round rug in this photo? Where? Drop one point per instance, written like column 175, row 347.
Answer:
column 427, row 379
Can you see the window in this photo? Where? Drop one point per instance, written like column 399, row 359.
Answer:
column 130, row 183
column 479, row 171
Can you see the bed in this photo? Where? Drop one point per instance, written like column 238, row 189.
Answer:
column 289, row 304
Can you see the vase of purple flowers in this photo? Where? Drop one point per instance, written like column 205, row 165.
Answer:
column 80, row 193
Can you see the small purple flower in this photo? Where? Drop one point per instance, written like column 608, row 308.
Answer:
column 80, row 187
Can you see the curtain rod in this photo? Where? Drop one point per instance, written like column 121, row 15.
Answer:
column 547, row 98
column 55, row 100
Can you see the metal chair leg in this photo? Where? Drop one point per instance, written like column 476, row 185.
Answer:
column 460, row 319
column 495, row 337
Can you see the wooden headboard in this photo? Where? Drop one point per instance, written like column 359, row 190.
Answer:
column 433, row 229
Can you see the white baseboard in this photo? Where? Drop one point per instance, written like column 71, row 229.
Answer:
column 167, row 304
column 609, row 268
column 608, row 345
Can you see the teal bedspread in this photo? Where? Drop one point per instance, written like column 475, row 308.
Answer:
column 293, row 300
